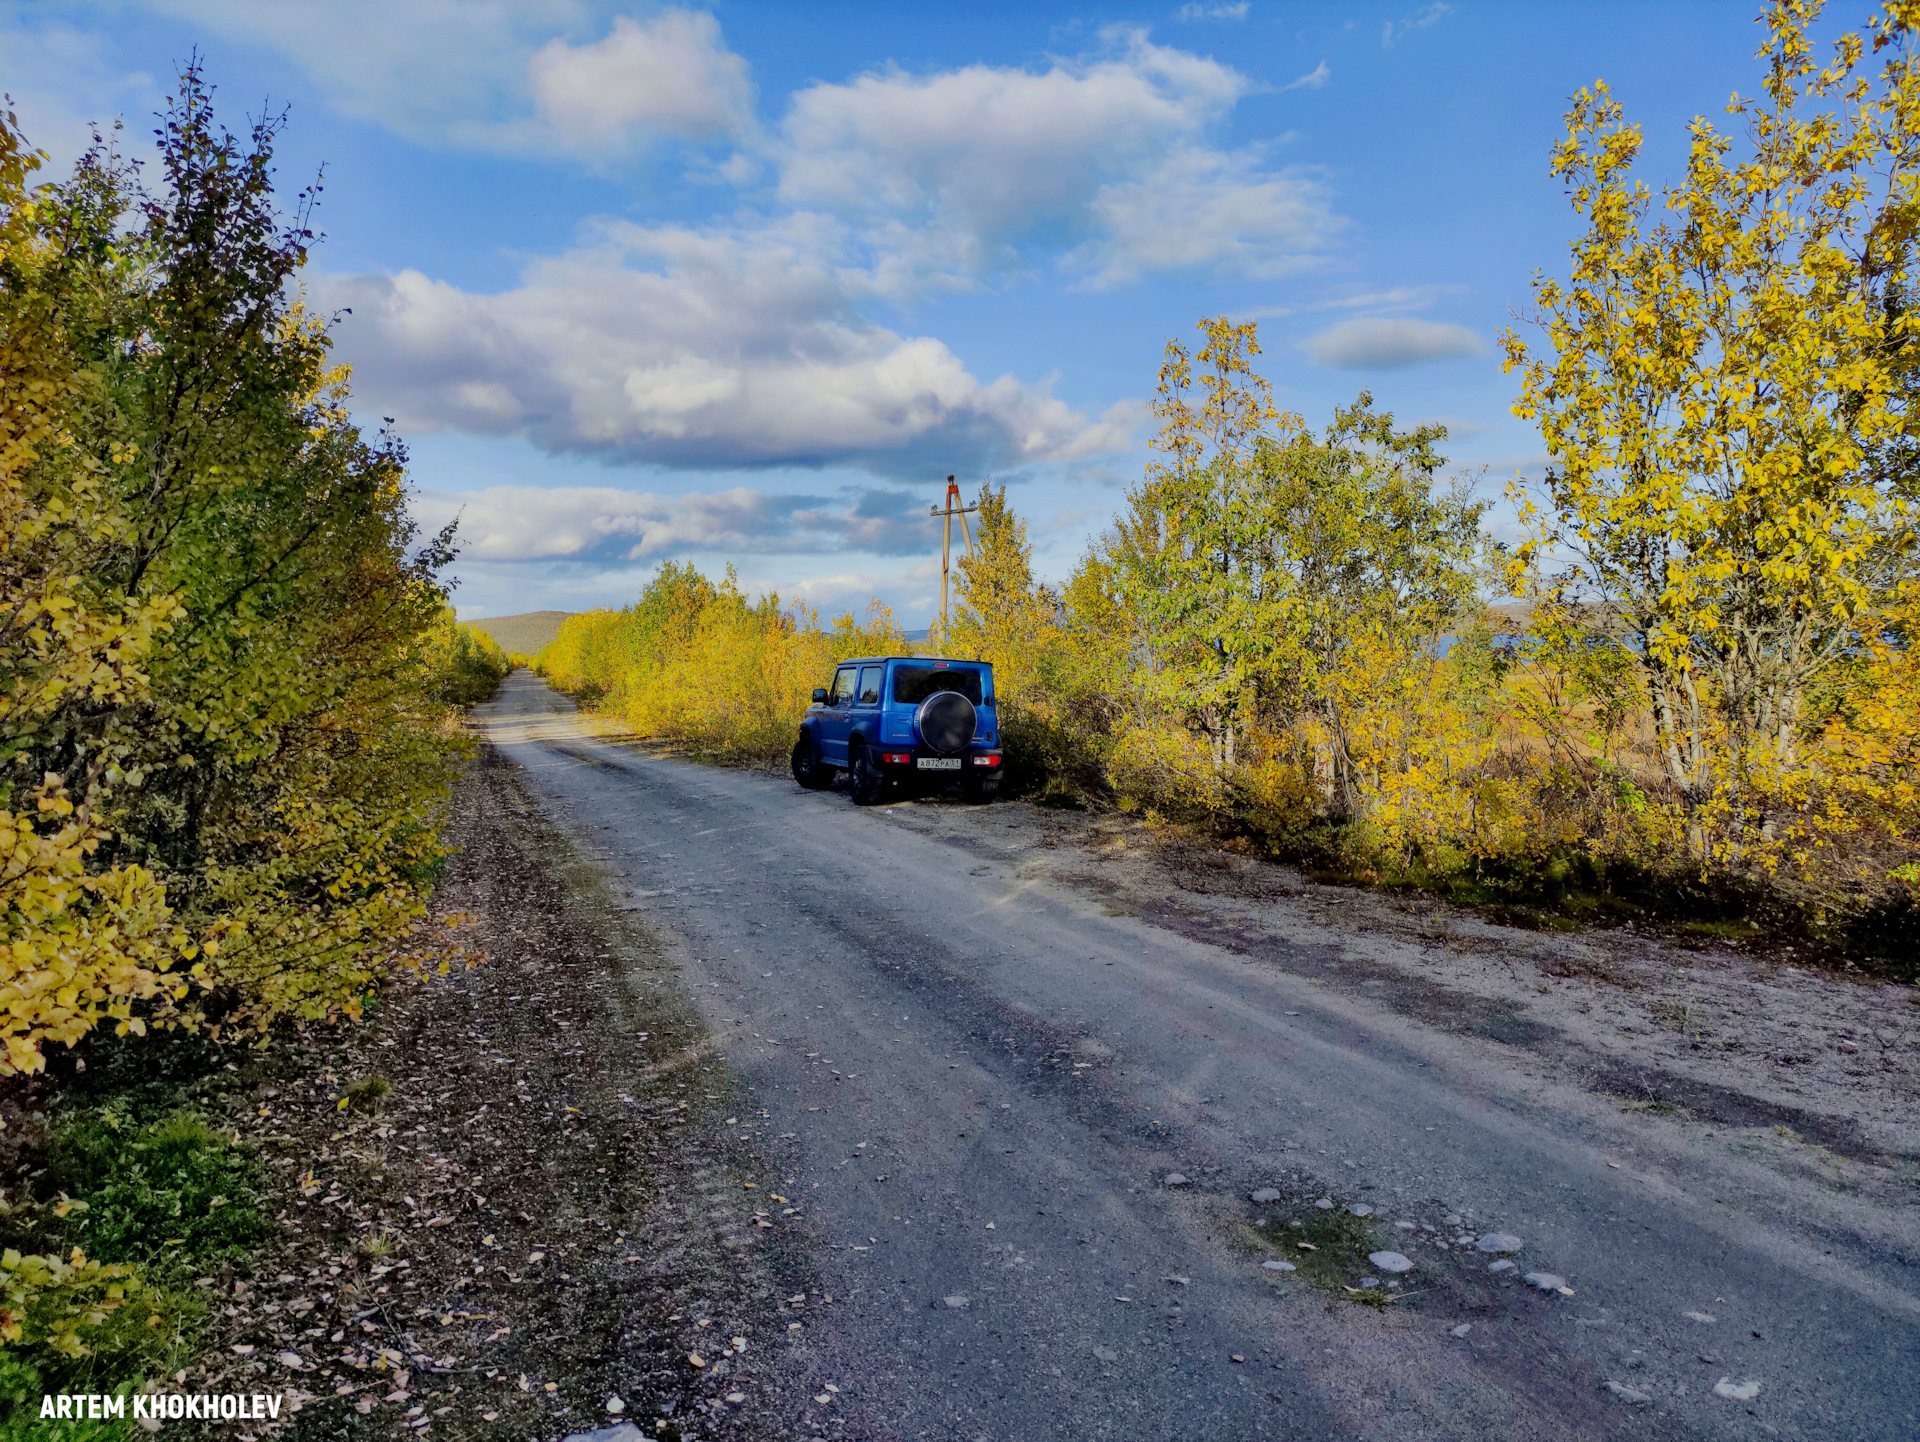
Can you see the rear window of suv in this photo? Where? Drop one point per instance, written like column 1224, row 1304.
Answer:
column 913, row 684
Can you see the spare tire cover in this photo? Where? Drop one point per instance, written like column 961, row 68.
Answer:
column 945, row 722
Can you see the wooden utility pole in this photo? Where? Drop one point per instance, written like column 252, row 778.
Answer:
column 953, row 508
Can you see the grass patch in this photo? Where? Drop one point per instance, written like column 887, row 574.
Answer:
column 174, row 1193
column 125, row 1165
column 366, row 1094
column 1656, row 1108
column 1673, row 1015
column 1738, row 929
column 1329, row 1249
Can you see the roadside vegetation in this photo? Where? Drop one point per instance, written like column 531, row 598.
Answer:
column 702, row 666
column 467, row 663
column 1699, row 701
column 227, row 680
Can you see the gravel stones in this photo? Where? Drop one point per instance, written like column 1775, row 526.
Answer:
column 956, row 1301
column 1628, row 1394
column 1266, row 1194
column 1280, row 1266
column 1325, row 1204
column 1361, row 1209
column 1503, row 1265
column 1499, row 1242
column 1744, row 1390
column 1175, row 1179
column 1546, row 1281
column 1461, row 1330
column 1389, row 1262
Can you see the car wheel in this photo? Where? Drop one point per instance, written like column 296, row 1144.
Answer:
column 977, row 788
column 869, row 781
column 807, row 769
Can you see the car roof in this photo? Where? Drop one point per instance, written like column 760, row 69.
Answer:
column 940, row 660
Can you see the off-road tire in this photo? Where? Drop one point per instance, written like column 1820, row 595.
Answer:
column 807, row 769
column 869, row 781
column 978, row 789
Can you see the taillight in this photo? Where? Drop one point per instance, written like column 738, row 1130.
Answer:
column 897, row 758
column 986, row 761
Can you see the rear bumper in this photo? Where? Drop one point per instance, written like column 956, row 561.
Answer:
column 974, row 758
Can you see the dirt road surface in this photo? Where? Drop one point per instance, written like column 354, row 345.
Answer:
column 1019, row 1116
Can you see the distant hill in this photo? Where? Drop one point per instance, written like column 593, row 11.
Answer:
column 526, row 633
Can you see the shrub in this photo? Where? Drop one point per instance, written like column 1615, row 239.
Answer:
column 704, row 666
column 466, row 663
column 222, row 744
column 172, row 1192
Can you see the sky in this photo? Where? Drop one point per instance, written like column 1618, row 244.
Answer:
column 742, row 284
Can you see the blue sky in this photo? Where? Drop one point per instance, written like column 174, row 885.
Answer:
column 744, row 283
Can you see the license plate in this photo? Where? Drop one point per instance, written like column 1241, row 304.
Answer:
column 938, row 763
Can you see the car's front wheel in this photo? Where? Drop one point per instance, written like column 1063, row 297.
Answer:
column 869, row 781
column 807, row 769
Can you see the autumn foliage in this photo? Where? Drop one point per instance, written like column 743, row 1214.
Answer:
column 1702, row 681
column 224, row 730
column 702, row 665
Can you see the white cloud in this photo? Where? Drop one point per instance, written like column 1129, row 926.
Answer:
column 1400, row 297
column 698, row 349
column 964, row 171
column 438, row 72
column 510, row 76
column 914, row 591
column 604, row 527
column 60, row 81
column 942, row 179
column 1382, row 344
column 1216, row 11
column 1317, row 78
column 1423, row 19
column 674, row 76
column 1204, row 209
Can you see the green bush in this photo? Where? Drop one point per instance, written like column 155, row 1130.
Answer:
column 110, row 1222
column 172, row 1192
column 468, row 664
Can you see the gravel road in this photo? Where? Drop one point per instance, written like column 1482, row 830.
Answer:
column 979, row 1089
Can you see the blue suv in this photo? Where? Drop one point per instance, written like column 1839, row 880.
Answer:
column 889, row 721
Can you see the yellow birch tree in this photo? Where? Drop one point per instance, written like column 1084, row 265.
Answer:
column 1725, row 397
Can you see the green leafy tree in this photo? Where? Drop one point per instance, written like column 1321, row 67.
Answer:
column 219, row 742
column 1270, row 573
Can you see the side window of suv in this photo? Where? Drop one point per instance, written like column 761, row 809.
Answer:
column 842, row 686
column 869, row 685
